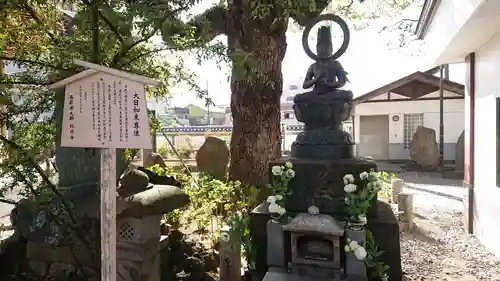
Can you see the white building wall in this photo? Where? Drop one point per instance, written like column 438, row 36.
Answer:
column 453, row 120
column 486, row 192
column 449, row 17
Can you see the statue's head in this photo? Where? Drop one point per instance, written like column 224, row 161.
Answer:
column 324, row 42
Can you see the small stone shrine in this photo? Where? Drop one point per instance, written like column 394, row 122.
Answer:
column 316, row 246
column 311, row 247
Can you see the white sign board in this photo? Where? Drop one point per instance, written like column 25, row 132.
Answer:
column 105, row 111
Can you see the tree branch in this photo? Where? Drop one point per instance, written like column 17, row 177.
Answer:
column 31, row 11
column 127, row 47
column 8, row 201
column 35, row 83
column 304, row 17
column 28, row 61
column 212, row 23
column 145, row 54
column 111, row 26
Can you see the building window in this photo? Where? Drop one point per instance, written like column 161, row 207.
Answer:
column 289, row 115
column 411, row 123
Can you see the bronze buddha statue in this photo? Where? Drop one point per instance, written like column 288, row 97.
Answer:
column 326, row 75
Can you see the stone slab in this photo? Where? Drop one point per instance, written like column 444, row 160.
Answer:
column 285, row 276
column 275, row 244
column 322, row 179
column 355, row 267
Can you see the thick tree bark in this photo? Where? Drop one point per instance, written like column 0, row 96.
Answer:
column 255, row 101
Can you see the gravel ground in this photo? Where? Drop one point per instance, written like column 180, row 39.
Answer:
column 439, row 248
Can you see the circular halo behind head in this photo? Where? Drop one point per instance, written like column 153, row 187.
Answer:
column 326, row 17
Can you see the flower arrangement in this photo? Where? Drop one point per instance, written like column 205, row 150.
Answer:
column 370, row 255
column 358, row 198
column 358, row 250
column 282, row 175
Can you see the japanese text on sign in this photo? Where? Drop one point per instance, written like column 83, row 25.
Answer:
column 115, row 107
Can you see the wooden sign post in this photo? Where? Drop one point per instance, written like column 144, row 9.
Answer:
column 106, row 108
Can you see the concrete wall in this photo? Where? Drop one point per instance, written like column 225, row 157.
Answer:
column 453, row 121
column 486, row 191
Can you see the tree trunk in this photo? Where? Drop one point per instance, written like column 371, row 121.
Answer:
column 255, row 101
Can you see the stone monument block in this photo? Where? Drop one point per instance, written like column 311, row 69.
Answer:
column 424, row 148
column 355, row 267
column 275, row 244
column 322, row 180
column 154, row 159
column 213, row 157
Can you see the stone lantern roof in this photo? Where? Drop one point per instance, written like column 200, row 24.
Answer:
column 315, row 223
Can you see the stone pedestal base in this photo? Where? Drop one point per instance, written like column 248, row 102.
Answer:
column 322, row 179
column 326, row 152
column 281, row 275
column 384, row 227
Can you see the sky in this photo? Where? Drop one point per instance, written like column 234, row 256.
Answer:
column 369, row 60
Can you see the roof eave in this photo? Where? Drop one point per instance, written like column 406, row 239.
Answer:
column 425, row 17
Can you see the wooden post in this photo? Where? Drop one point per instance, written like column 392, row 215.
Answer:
column 230, row 256
column 441, row 119
column 405, row 203
column 108, row 214
column 397, row 186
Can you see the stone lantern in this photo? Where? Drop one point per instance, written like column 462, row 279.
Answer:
column 140, row 206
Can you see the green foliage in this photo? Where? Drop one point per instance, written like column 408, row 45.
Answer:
column 173, row 218
column 39, row 37
column 386, row 189
column 239, row 226
column 213, row 198
column 373, row 261
column 359, row 197
column 163, row 150
column 186, row 150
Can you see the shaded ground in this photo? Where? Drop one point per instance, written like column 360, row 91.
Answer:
column 188, row 261
column 439, row 248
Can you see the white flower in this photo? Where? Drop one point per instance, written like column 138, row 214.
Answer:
column 348, row 179
column 362, row 219
column 350, row 188
column 360, row 253
column 271, row 199
column 290, row 173
column 363, row 175
column 278, row 198
column 224, row 236
column 346, row 248
column 274, row 208
column 281, row 210
column 353, row 245
column 277, row 170
column 289, row 165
